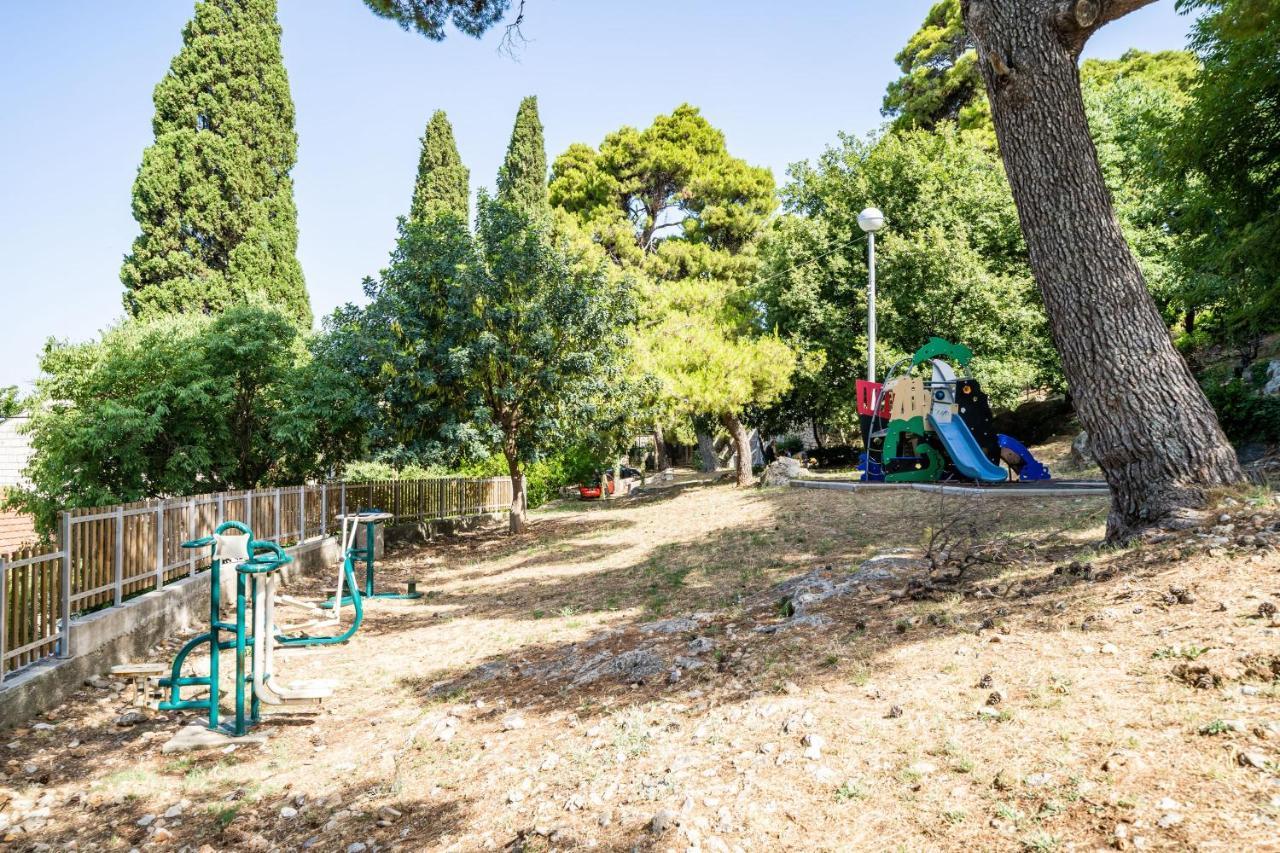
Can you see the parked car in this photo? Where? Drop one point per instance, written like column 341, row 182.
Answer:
column 591, row 491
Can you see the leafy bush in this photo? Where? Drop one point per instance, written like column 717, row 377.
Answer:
column 790, row 444
column 363, row 472
column 183, row 405
column 1245, row 416
column 544, row 477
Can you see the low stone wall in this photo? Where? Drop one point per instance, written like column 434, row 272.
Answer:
column 124, row 634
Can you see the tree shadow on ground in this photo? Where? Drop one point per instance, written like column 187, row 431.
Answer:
column 733, row 574
column 229, row 812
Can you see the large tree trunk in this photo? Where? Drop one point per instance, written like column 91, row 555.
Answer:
column 707, row 450
column 1154, row 435
column 660, row 461
column 706, row 444
column 519, row 502
column 741, row 444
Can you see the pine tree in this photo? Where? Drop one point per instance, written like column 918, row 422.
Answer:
column 443, row 182
column 522, row 179
column 213, row 195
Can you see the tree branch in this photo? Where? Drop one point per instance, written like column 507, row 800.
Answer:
column 513, row 40
column 1113, row 9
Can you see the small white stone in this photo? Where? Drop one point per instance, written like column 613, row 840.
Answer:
column 288, row 813
column 146, row 820
column 1109, row 649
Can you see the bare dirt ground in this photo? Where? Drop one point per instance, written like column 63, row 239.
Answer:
column 649, row 673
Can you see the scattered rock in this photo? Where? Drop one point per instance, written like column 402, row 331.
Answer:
column 132, row 717
column 1109, row 649
column 662, row 821
column 701, row 645
column 288, row 813
column 781, row 472
column 1081, row 455
column 670, row 626
column 632, row 667
column 1252, row 759
column 895, row 711
column 512, row 722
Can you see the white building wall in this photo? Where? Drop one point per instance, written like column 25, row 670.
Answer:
column 15, row 449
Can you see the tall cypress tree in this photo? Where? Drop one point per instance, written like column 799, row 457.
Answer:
column 213, row 195
column 443, row 182
column 522, row 179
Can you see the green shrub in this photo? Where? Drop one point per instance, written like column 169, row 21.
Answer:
column 544, row 477
column 184, row 405
column 1244, row 415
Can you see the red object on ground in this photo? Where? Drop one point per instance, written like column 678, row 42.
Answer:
column 592, row 493
column 867, row 392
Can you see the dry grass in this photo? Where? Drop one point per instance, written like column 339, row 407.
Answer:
column 1080, row 741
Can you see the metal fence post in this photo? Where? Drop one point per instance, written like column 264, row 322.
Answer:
column 160, row 546
column 302, row 513
column 64, row 630
column 276, row 512
column 118, row 575
column 343, row 488
column 248, row 508
column 4, row 619
column 222, row 510
column 324, row 509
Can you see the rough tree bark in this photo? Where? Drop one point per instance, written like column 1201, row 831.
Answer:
column 1155, row 436
column 742, row 446
column 659, row 449
column 517, row 517
column 707, row 450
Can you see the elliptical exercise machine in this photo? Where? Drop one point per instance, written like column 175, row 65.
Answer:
column 256, row 565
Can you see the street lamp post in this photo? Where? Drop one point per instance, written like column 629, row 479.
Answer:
column 871, row 220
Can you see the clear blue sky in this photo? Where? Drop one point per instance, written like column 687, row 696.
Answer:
column 75, row 113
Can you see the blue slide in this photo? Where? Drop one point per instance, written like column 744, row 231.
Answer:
column 965, row 453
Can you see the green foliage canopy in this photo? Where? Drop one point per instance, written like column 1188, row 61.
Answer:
column 443, row 184
column 213, row 196
column 672, row 204
column 950, row 263
column 522, row 178
column 181, row 405
column 1226, row 154
column 431, row 17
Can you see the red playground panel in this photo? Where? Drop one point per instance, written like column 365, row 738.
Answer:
column 867, row 392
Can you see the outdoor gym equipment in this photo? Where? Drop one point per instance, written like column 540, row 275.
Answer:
column 325, row 614
column 256, row 565
column 918, row 430
column 370, row 518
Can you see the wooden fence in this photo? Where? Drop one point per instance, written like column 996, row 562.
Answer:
column 105, row 555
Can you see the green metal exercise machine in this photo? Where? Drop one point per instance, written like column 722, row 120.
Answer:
column 256, row 564
column 369, row 519
column 325, row 614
